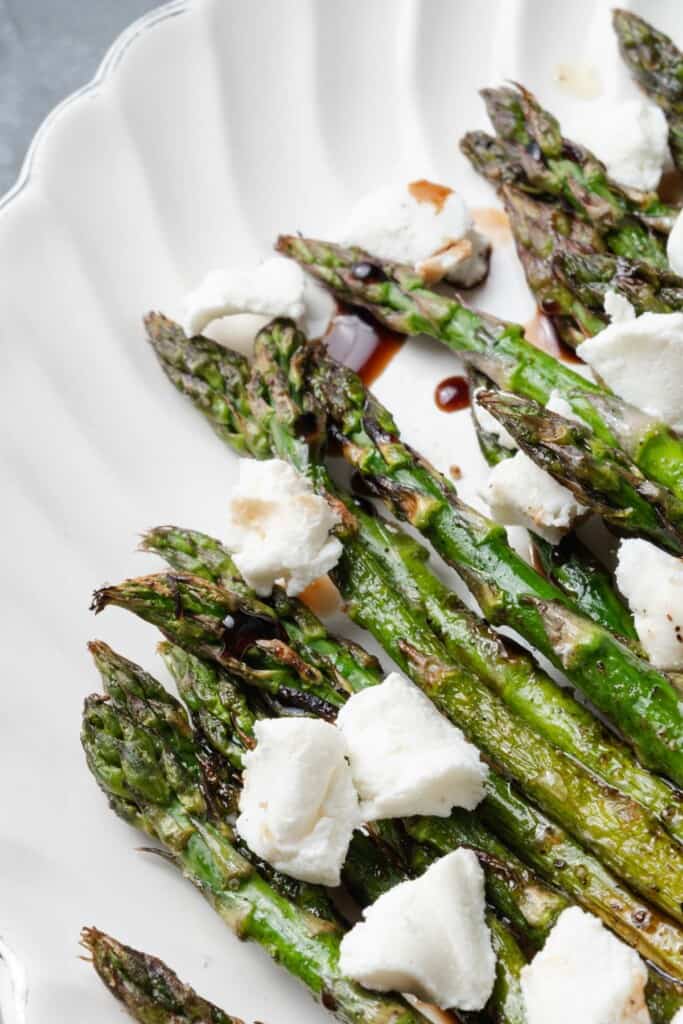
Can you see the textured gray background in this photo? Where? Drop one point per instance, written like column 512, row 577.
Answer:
column 48, row 48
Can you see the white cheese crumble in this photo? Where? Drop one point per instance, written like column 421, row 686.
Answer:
column 674, row 245
column 428, row 937
column 584, row 973
column 652, row 582
column 424, row 225
column 406, row 758
column 298, row 806
column 617, row 307
column 641, row 360
column 519, row 493
column 488, row 423
column 277, row 287
column 629, row 136
column 278, row 529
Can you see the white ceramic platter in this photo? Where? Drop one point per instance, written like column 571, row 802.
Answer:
column 211, row 126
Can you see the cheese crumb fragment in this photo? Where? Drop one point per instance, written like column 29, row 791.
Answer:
column 406, row 758
column 519, row 493
column 584, row 973
column 652, row 582
column 428, row 937
column 424, row 225
column 641, row 359
column 674, row 245
column 298, row 806
column 278, row 529
column 629, row 136
column 276, row 287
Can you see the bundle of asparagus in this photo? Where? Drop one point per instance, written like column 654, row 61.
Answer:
column 179, row 353
column 213, row 698
column 141, row 750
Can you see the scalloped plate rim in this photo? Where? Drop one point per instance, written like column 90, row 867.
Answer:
column 107, row 67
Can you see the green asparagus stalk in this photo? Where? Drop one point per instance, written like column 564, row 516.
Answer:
column 657, row 65
column 570, row 274
column 590, row 275
column 570, row 564
column 198, row 554
column 543, row 230
column 227, row 629
column 619, row 831
column 641, row 701
column 511, row 889
column 135, row 761
column 576, row 571
column 148, row 989
column 510, row 672
column 395, row 295
column 601, row 477
column 632, row 221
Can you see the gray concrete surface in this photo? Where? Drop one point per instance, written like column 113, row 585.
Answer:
column 49, row 48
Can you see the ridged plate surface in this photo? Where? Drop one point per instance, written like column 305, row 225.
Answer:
column 211, row 126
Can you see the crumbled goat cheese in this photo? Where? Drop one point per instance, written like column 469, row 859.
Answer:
column 519, row 493
column 488, row 423
column 586, row 974
column 652, row 582
column 641, row 360
column 406, row 758
column 298, row 806
column 278, row 529
column 674, row 245
column 618, row 308
column 424, row 225
column 428, row 937
column 629, row 136
column 277, row 287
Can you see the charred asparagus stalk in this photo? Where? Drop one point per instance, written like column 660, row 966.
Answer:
column 531, row 153
column 570, row 565
column 657, row 65
column 149, row 990
column 603, row 478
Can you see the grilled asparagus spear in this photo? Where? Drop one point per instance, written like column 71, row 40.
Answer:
column 603, row 478
column 657, row 65
column 149, row 990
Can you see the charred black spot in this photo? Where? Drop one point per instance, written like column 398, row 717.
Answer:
column 246, row 629
column 572, row 151
column 328, row 1000
column 364, row 270
column 178, row 610
column 306, row 426
column 307, row 702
